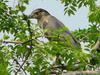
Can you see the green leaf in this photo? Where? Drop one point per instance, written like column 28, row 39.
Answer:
column 73, row 8
column 22, row 8
column 71, row 12
column 5, row 37
column 2, row 5
column 74, row 4
column 26, row 1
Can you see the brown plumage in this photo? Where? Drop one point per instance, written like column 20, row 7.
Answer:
column 52, row 24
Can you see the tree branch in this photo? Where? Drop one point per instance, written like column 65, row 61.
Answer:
column 81, row 73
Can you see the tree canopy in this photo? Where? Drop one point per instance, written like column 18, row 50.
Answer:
column 24, row 54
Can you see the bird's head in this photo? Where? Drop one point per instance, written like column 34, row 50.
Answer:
column 38, row 13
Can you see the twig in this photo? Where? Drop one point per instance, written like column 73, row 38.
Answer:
column 23, row 63
column 20, row 66
column 14, row 42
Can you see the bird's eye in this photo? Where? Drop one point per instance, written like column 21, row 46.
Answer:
column 37, row 13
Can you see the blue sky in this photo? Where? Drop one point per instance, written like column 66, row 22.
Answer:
column 80, row 20
column 77, row 21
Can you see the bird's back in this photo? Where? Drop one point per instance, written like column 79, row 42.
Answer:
column 54, row 25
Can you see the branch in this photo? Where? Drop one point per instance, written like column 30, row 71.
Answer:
column 19, row 42
column 81, row 73
column 23, row 63
column 14, row 42
column 20, row 66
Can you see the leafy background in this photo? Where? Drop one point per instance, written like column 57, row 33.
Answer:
column 35, row 57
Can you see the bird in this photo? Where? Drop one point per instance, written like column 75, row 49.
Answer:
column 54, row 30
column 52, row 26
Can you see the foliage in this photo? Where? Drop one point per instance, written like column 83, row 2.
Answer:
column 92, row 33
column 94, row 15
column 71, row 6
column 24, row 53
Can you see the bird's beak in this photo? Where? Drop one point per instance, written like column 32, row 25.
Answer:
column 30, row 16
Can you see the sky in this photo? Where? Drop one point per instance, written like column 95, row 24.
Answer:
column 80, row 20
column 55, row 8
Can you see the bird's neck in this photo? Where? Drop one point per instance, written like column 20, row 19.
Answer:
column 42, row 18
